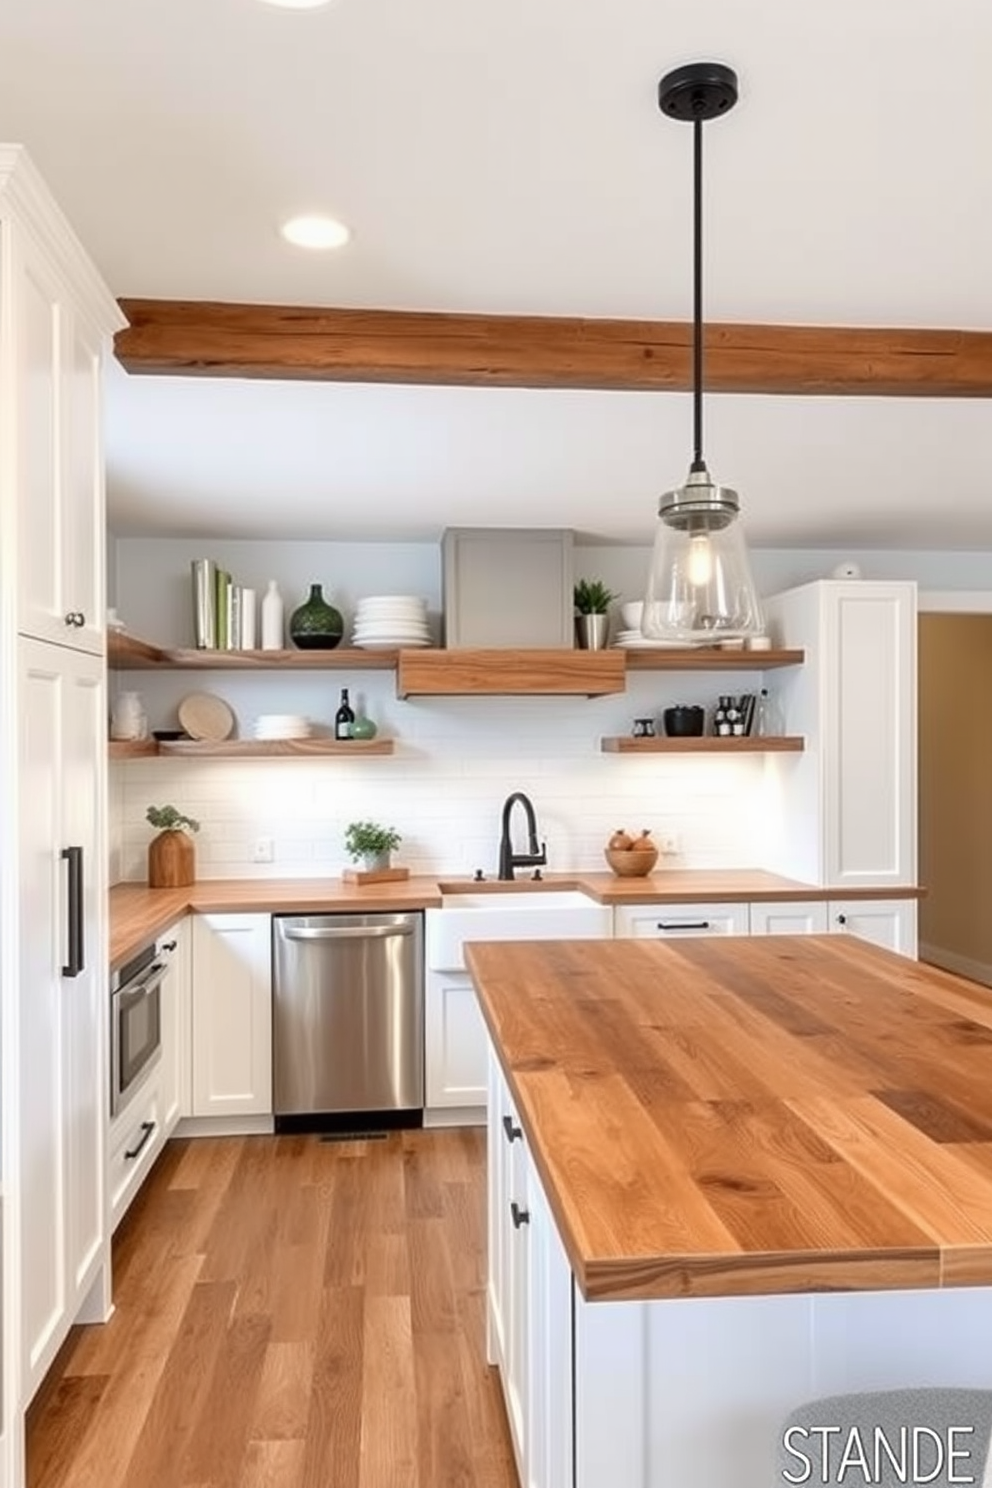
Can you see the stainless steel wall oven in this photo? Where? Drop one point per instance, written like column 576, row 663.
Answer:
column 136, row 1021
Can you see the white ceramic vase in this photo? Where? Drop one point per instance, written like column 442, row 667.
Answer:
column 272, row 618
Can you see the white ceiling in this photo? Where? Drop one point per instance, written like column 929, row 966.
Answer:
column 511, row 158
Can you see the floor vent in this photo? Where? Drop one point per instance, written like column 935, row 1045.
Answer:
column 359, row 1136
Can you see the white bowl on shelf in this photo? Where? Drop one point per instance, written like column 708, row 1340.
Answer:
column 631, row 612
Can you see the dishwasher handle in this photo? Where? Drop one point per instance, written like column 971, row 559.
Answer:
column 346, row 932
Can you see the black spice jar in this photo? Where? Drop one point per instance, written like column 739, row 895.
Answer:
column 316, row 625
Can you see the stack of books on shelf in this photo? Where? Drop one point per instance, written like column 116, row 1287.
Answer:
column 223, row 611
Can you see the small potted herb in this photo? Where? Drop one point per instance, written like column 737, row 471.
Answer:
column 370, row 844
column 171, row 858
column 592, row 624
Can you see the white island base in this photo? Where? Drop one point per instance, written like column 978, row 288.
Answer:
column 686, row 1393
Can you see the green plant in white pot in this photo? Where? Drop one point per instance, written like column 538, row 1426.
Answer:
column 370, row 844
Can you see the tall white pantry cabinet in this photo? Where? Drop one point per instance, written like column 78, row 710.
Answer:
column 845, row 809
column 56, row 320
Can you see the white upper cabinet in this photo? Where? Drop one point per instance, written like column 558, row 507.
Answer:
column 57, row 318
column 843, row 813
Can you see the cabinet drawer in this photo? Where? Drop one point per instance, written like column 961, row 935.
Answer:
column 676, row 921
column 136, row 1138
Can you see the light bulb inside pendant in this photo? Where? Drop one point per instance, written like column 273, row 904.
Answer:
column 700, row 563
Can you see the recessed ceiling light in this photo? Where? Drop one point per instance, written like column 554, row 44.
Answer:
column 299, row 4
column 315, row 232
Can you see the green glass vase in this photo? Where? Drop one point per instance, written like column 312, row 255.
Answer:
column 316, row 625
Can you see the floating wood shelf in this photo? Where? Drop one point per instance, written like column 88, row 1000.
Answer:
column 430, row 672
column 704, row 744
column 120, row 749
column 126, row 652
column 509, row 673
column 272, row 748
column 249, row 748
column 707, row 659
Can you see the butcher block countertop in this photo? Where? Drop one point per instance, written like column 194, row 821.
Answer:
column 138, row 913
column 744, row 1116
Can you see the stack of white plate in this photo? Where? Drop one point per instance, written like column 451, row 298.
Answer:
column 282, row 726
column 632, row 640
column 385, row 620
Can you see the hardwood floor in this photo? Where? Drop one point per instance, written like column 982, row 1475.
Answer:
column 290, row 1313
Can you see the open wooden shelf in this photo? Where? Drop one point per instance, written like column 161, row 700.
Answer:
column 703, row 744
column 436, row 672
column 509, row 673
column 250, row 748
column 125, row 652
column 707, row 659
column 119, row 749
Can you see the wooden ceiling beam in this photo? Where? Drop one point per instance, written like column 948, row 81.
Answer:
column 210, row 339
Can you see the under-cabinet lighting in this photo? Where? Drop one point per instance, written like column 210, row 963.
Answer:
column 315, row 232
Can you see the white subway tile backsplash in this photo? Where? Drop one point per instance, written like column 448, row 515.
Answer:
column 456, row 761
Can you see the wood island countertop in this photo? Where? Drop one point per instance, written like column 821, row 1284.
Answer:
column 138, row 913
column 748, row 1116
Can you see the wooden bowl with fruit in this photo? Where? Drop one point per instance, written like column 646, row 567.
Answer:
column 631, row 857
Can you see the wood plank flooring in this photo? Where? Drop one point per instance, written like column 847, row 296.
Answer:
column 290, row 1313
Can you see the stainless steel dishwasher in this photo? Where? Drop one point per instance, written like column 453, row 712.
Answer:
column 348, row 1020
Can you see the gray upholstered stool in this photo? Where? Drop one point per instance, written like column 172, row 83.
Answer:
column 888, row 1439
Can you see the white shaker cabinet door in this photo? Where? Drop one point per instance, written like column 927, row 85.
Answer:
column 174, row 1077
column 889, row 923
column 676, row 921
column 58, row 458
column 789, row 917
column 232, row 1015
column 63, row 1098
column 456, row 1043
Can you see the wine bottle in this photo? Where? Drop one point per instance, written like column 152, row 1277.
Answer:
column 344, row 718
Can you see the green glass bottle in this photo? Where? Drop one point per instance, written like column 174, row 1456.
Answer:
column 316, row 625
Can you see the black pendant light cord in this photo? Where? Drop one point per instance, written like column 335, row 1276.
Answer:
column 698, row 463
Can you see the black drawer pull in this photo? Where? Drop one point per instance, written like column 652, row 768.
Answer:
column 842, row 919
column 519, row 1215
column 147, row 1127
column 169, row 945
column 512, row 1132
column 684, row 925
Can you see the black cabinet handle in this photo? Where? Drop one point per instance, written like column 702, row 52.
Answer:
column 75, row 617
column 169, row 945
column 512, row 1132
column 75, row 963
column 519, row 1215
column 842, row 919
column 147, row 1127
column 683, row 925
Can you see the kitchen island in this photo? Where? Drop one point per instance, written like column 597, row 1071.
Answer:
column 739, row 1174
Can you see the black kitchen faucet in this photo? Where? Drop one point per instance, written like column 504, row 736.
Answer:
column 534, row 856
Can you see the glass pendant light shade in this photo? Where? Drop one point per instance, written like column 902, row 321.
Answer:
column 699, row 585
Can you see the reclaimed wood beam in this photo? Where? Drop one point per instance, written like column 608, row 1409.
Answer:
column 211, row 339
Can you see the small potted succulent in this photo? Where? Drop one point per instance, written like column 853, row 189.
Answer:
column 171, row 858
column 592, row 624
column 370, row 844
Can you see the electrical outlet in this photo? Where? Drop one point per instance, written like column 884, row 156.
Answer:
column 668, row 844
column 264, row 850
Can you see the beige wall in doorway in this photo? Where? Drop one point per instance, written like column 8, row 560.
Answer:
column 955, row 708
